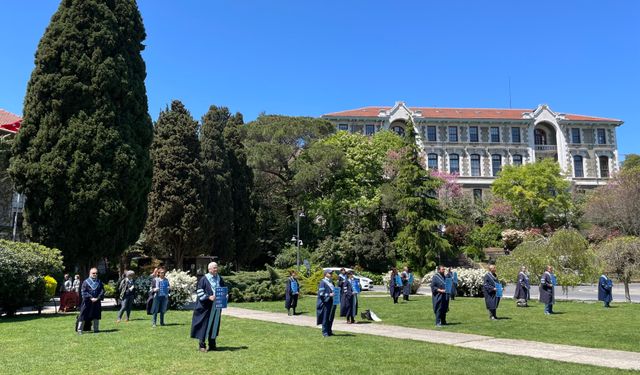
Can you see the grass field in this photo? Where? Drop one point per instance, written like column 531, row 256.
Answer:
column 577, row 323
column 47, row 344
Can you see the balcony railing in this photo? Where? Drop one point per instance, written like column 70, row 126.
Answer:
column 546, row 147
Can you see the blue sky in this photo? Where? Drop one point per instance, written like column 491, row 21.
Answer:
column 315, row 57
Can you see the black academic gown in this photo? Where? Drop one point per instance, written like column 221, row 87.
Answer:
column 348, row 300
column 522, row 288
column 325, row 310
column 547, row 292
column 604, row 290
column 91, row 310
column 491, row 300
column 439, row 300
column 291, row 299
column 203, row 324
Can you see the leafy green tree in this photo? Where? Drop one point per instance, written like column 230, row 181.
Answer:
column 621, row 257
column 218, row 184
column 82, row 154
column 536, row 192
column 176, row 211
column 631, row 161
column 413, row 195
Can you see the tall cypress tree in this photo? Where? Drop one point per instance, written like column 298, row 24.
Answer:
column 82, row 154
column 176, row 211
column 418, row 211
column 217, row 181
column 244, row 209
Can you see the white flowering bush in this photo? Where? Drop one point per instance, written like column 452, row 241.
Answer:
column 182, row 287
column 470, row 281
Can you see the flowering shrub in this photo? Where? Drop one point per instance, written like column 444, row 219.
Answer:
column 182, row 287
column 142, row 285
column 512, row 238
column 50, row 285
column 470, row 281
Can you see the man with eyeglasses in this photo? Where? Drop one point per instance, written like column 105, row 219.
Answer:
column 92, row 292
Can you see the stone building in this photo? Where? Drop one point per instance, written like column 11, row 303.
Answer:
column 475, row 143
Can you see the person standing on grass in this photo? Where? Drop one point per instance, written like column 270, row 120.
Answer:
column 91, row 308
column 605, row 286
column 547, row 292
column 522, row 288
column 395, row 284
column 76, row 284
column 325, row 309
column 407, row 282
column 125, row 290
column 349, row 298
column 66, row 291
column 439, row 297
column 160, row 288
column 205, row 324
column 342, row 277
column 491, row 297
column 291, row 293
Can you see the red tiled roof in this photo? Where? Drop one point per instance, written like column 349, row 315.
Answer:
column 9, row 122
column 461, row 113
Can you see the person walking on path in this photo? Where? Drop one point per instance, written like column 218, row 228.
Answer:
column 291, row 293
column 439, row 297
column 522, row 288
column 205, row 324
column 407, row 282
column 605, row 286
column 325, row 309
column 547, row 290
column 91, row 308
column 160, row 287
column 492, row 291
column 395, row 284
column 125, row 291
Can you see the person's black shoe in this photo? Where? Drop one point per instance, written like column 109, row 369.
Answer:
column 212, row 346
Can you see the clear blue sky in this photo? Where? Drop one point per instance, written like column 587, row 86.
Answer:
column 314, row 57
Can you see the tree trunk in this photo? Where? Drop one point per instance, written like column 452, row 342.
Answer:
column 626, row 291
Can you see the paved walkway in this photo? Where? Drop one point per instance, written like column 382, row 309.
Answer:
column 564, row 353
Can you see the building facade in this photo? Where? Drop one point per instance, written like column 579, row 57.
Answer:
column 475, row 143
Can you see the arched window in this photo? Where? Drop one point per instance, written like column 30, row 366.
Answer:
column 399, row 130
column 496, row 164
column 604, row 166
column 432, row 161
column 578, row 170
column 475, row 165
column 517, row 159
column 540, row 137
column 454, row 163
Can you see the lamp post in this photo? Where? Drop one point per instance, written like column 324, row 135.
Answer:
column 297, row 239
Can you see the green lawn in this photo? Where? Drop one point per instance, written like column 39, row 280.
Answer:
column 40, row 345
column 577, row 323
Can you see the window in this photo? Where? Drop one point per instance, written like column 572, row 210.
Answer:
column 432, row 161
column 515, row 135
column 473, row 134
column 475, row 165
column 369, row 129
column 602, row 137
column 453, row 134
column 496, row 164
column 540, row 137
column 495, row 134
column 398, row 130
column 575, row 135
column 477, row 195
column 517, row 159
column 343, row 127
column 431, row 133
column 604, row 166
column 454, row 163
column 578, row 171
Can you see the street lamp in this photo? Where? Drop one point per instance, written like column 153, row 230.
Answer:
column 296, row 238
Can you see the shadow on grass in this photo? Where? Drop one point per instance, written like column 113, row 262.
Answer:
column 230, row 348
column 107, row 330
column 174, row 324
column 343, row 335
column 28, row 317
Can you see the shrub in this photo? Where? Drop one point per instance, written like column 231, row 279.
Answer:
column 111, row 289
column 182, row 288
column 470, row 281
column 288, row 256
column 23, row 267
column 141, row 291
column 268, row 285
column 50, row 286
column 309, row 285
column 512, row 238
column 376, row 278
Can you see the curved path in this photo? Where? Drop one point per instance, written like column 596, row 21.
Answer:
column 564, row 353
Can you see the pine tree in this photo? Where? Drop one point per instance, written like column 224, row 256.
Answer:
column 176, row 211
column 244, row 210
column 217, row 181
column 82, row 154
column 418, row 211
